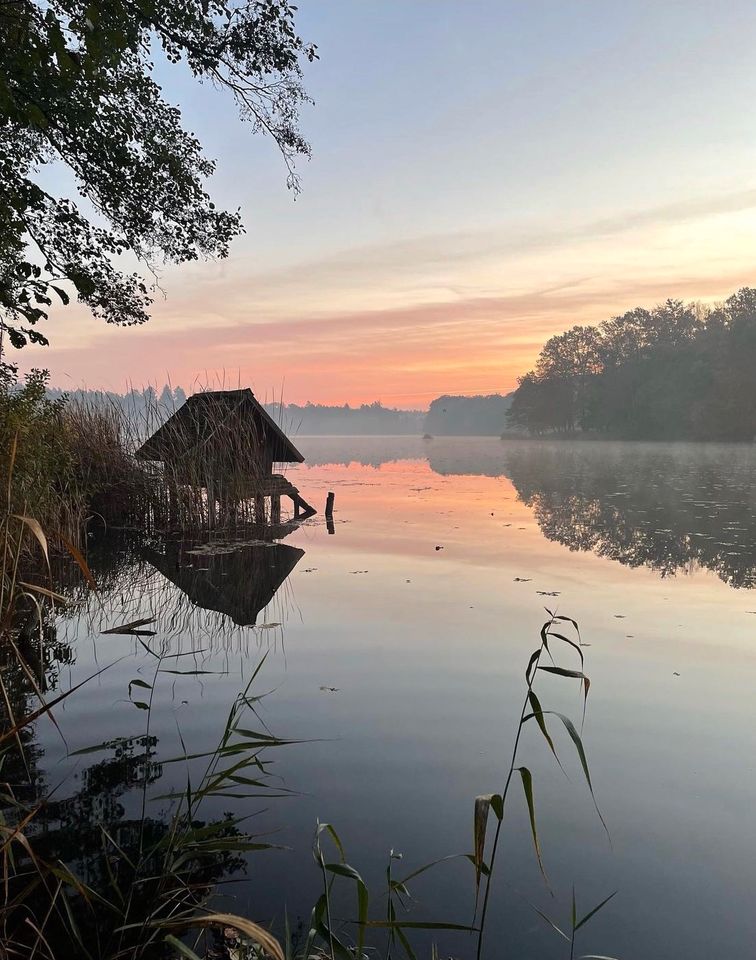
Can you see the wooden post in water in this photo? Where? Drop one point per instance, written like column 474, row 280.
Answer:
column 259, row 509
column 275, row 508
column 329, row 506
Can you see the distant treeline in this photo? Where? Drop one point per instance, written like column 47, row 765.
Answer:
column 368, row 419
column 447, row 416
column 678, row 371
column 468, row 416
column 141, row 405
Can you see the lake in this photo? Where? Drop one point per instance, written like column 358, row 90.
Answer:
column 395, row 652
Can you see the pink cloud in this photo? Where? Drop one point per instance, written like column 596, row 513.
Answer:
column 403, row 355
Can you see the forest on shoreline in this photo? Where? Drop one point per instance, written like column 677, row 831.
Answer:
column 675, row 372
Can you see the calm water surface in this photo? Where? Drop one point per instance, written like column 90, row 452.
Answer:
column 404, row 665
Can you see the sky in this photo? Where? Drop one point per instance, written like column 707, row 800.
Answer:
column 484, row 175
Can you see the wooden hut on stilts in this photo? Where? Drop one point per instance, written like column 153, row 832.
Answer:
column 218, row 451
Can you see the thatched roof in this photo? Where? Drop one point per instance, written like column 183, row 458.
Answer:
column 194, row 425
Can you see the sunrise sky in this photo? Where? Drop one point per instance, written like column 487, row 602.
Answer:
column 484, row 174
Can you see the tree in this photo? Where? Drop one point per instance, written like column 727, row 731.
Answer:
column 678, row 371
column 77, row 87
column 572, row 359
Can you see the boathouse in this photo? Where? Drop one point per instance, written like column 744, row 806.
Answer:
column 226, row 443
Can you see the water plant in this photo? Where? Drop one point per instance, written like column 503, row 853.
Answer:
column 334, row 943
column 149, row 883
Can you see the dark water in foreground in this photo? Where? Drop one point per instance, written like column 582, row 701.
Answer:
column 404, row 664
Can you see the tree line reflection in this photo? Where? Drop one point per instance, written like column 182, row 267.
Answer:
column 668, row 510
column 668, row 507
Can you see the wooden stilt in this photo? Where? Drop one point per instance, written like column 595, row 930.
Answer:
column 275, row 508
column 172, row 505
column 259, row 509
column 302, row 509
column 211, row 504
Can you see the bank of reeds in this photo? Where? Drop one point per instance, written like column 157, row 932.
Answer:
column 69, row 463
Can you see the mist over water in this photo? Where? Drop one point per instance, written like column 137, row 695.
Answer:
column 403, row 664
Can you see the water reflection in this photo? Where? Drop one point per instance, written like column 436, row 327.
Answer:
column 407, row 678
column 112, row 815
column 669, row 511
column 237, row 581
column 668, row 507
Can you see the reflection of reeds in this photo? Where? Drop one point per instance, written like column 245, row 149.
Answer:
column 139, row 581
column 149, row 880
column 143, row 882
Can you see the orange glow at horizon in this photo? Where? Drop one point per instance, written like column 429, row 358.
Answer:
column 350, row 329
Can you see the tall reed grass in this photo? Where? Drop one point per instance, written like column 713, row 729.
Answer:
column 72, row 462
column 150, row 893
column 149, row 888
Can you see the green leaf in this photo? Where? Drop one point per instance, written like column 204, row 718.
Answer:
column 433, row 863
column 189, row 673
column 345, row 870
column 533, row 658
column 181, row 947
column 595, row 910
column 576, row 646
column 406, row 944
column 133, row 627
column 545, row 639
column 331, row 831
column 550, row 922
column 65, row 299
column 556, row 616
column 575, row 736
column 562, row 672
column 537, row 709
column 527, row 785
column 480, row 822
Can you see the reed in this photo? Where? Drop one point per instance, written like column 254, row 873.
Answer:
column 149, row 886
column 347, row 938
column 76, row 461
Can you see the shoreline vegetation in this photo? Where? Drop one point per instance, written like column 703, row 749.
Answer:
column 131, row 883
column 147, row 886
column 674, row 372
